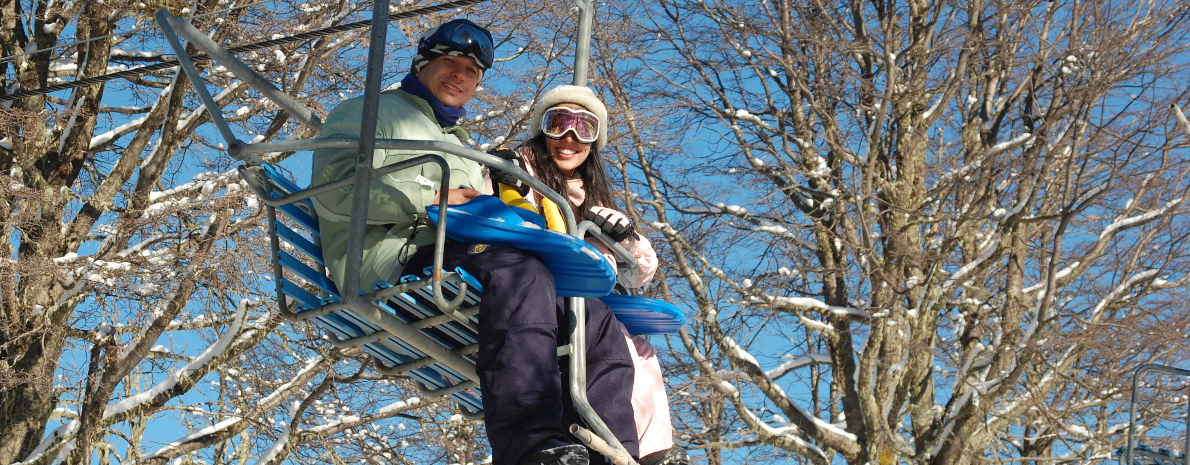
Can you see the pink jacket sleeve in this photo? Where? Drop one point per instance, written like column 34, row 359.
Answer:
column 641, row 249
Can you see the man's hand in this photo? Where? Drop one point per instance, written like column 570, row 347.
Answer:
column 613, row 223
column 458, row 196
column 500, row 177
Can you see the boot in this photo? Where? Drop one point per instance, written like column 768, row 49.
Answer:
column 673, row 456
column 573, row 454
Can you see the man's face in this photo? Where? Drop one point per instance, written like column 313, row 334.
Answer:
column 452, row 79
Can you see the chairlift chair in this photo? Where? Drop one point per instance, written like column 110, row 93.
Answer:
column 425, row 325
column 1132, row 453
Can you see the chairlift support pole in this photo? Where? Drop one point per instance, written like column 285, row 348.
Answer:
column 578, row 308
column 582, row 52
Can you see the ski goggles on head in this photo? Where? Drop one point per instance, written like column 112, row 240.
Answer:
column 557, row 121
column 464, row 36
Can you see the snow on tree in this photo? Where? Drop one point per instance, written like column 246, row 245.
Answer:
column 139, row 322
column 931, row 232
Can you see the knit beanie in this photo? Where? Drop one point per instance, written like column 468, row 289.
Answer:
column 581, row 95
column 427, row 52
column 424, row 58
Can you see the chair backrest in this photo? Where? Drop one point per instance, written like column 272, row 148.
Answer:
column 304, row 270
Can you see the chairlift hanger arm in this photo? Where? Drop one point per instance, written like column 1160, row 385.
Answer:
column 582, row 51
column 365, row 146
column 578, row 364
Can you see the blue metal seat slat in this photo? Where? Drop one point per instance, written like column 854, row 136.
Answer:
column 307, row 300
column 296, row 266
column 453, row 329
column 301, row 243
column 333, row 327
column 410, row 304
column 387, row 354
column 305, row 219
column 283, row 182
column 343, row 329
column 472, row 297
column 365, row 325
column 460, row 334
column 450, row 290
column 422, row 312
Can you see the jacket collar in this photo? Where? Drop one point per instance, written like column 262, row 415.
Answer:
column 428, row 111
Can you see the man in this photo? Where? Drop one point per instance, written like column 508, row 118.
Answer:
column 526, row 408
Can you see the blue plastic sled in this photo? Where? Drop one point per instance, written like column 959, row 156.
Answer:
column 579, row 269
column 642, row 315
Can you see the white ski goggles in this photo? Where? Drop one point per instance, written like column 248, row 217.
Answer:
column 557, row 121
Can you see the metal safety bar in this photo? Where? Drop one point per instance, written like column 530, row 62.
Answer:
column 1126, row 457
column 627, row 268
column 173, row 26
column 484, row 158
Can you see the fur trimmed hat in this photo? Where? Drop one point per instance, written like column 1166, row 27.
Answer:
column 581, row 95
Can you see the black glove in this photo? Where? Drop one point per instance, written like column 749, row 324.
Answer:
column 613, row 223
column 500, row 177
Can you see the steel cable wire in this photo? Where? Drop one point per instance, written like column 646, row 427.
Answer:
column 243, row 48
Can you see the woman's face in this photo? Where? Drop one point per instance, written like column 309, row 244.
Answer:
column 568, row 153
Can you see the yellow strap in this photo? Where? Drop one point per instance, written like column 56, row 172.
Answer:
column 553, row 216
column 513, row 198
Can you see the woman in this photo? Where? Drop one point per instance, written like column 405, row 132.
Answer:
column 569, row 127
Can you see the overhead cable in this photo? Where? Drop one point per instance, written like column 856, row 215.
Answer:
column 243, row 48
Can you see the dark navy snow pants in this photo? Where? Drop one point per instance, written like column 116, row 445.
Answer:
column 527, row 408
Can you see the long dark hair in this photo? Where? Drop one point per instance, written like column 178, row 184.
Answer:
column 595, row 180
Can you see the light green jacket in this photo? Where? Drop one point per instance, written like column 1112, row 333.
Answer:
column 397, row 200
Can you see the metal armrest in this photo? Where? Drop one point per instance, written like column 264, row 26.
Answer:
column 627, row 269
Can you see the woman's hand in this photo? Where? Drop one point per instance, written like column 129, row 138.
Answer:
column 457, row 196
column 613, row 223
column 500, row 177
